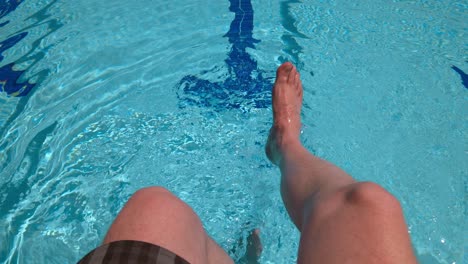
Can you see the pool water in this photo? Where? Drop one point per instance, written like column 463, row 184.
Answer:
column 101, row 98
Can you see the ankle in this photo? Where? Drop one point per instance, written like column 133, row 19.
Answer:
column 287, row 141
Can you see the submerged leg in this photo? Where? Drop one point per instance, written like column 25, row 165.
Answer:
column 340, row 220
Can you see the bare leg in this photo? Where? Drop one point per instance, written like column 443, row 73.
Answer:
column 156, row 216
column 341, row 221
column 254, row 248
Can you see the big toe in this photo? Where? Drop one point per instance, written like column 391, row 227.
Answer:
column 284, row 71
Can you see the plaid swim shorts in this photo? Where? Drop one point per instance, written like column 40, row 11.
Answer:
column 127, row 251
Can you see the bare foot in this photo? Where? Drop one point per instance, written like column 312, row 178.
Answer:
column 287, row 103
column 254, row 247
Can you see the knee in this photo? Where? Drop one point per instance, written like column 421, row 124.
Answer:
column 361, row 199
column 371, row 196
column 152, row 198
column 153, row 193
column 160, row 200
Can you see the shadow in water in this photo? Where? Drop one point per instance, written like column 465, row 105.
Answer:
column 291, row 46
column 463, row 76
column 246, row 85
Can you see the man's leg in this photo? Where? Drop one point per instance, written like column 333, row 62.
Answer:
column 341, row 220
column 156, row 216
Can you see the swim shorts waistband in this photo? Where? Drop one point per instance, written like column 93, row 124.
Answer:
column 128, row 251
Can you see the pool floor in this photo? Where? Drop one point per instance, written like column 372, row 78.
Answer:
column 99, row 99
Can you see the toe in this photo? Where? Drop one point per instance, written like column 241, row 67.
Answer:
column 292, row 75
column 299, row 91
column 282, row 74
column 298, row 83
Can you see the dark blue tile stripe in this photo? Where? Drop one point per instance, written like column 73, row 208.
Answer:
column 6, row 7
column 245, row 84
column 9, row 78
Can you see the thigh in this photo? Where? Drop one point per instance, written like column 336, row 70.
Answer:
column 156, row 216
column 360, row 224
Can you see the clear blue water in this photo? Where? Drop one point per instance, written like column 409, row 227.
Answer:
column 101, row 98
